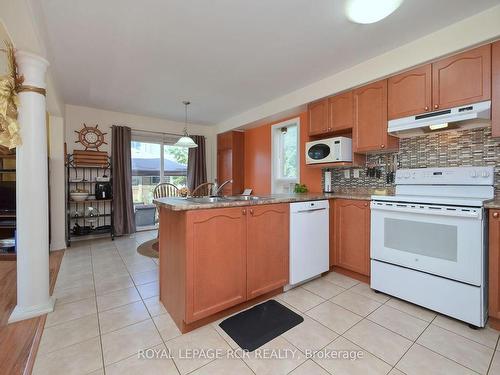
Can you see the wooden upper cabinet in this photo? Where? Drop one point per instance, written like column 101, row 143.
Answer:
column 215, row 261
column 410, row 93
column 370, row 119
column 462, row 79
column 494, row 268
column 318, row 117
column 231, row 161
column 267, row 248
column 352, row 235
column 495, row 89
column 341, row 112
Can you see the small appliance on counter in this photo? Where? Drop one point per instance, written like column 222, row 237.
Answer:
column 327, row 183
column 103, row 190
column 102, row 179
column 329, row 150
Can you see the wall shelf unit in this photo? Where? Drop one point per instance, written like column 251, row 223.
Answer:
column 82, row 223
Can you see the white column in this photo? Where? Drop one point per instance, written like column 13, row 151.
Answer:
column 57, row 184
column 33, row 298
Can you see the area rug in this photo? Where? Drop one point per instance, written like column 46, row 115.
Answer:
column 254, row 327
column 149, row 248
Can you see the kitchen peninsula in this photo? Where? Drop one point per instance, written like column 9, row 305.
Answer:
column 219, row 255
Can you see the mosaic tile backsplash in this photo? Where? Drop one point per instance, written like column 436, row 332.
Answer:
column 473, row 147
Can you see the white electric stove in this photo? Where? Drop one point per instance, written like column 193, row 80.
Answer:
column 429, row 240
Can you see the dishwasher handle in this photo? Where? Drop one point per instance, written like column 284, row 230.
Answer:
column 311, row 210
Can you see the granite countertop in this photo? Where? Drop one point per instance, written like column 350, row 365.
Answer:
column 493, row 203
column 183, row 204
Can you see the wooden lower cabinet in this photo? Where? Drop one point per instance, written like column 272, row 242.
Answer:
column 351, row 235
column 233, row 255
column 332, row 232
column 267, row 248
column 215, row 261
column 494, row 269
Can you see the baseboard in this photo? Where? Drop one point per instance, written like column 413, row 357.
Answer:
column 363, row 278
column 60, row 245
column 21, row 314
column 494, row 323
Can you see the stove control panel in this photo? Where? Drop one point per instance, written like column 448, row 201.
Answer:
column 446, row 176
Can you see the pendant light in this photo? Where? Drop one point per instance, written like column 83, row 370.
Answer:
column 186, row 140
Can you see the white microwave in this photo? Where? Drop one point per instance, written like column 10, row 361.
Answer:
column 329, row 150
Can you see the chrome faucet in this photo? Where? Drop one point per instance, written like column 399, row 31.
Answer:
column 217, row 188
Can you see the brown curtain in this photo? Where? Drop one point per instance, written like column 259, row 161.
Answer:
column 123, row 207
column 197, row 163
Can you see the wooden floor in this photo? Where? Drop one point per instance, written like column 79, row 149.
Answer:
column 19, row 341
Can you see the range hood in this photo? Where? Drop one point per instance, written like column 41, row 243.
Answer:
column 477, row 115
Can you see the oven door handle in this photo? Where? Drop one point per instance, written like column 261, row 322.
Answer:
column 471, row 213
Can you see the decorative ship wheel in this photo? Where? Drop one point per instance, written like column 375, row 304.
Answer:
column 91, row 137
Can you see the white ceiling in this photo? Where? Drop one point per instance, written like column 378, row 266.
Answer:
column 226, row 56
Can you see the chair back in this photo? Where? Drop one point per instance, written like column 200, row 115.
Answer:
column 165, row 189
column 203, row 190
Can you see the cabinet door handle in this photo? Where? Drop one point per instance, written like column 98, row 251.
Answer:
column 495, row 215
column 366, row 205
column 426, row 108
column 244, row 212
column 436, row 106
column 251, row 212
column 382, row 146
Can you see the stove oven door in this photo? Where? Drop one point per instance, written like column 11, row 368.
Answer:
column 447, row 241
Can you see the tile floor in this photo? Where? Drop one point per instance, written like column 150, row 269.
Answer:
column 107, row 309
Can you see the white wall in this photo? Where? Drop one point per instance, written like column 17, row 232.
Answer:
column 76, row 116
column 19, row 20
column 57, row 183
column 475, row 30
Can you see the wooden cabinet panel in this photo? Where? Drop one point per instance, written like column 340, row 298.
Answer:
column 494, row 267
column 267, row 248
column 224, row 141
column 231, row 161
column 341, row 112
column 495, row 89
column 409, row 93
column 318, row 117
column 352, row 235
column 462, row 79
column 215, row 261
column 224, row 164
column 370, row 119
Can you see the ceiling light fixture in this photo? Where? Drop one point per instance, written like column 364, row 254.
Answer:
column 438, row 126
column 370, row 11
column 186, row 140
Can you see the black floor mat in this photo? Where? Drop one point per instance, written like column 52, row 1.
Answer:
column 254, row 327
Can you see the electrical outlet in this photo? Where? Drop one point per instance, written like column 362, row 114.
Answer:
column 347, row 173
column 356, row 173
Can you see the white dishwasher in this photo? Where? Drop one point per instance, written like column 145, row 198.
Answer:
column 309, row 240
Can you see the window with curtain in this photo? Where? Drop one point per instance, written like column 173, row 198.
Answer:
column 155, row 161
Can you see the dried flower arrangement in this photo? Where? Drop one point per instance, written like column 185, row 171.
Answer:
column 9, row 127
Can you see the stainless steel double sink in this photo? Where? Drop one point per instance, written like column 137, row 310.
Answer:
column 224, row 199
